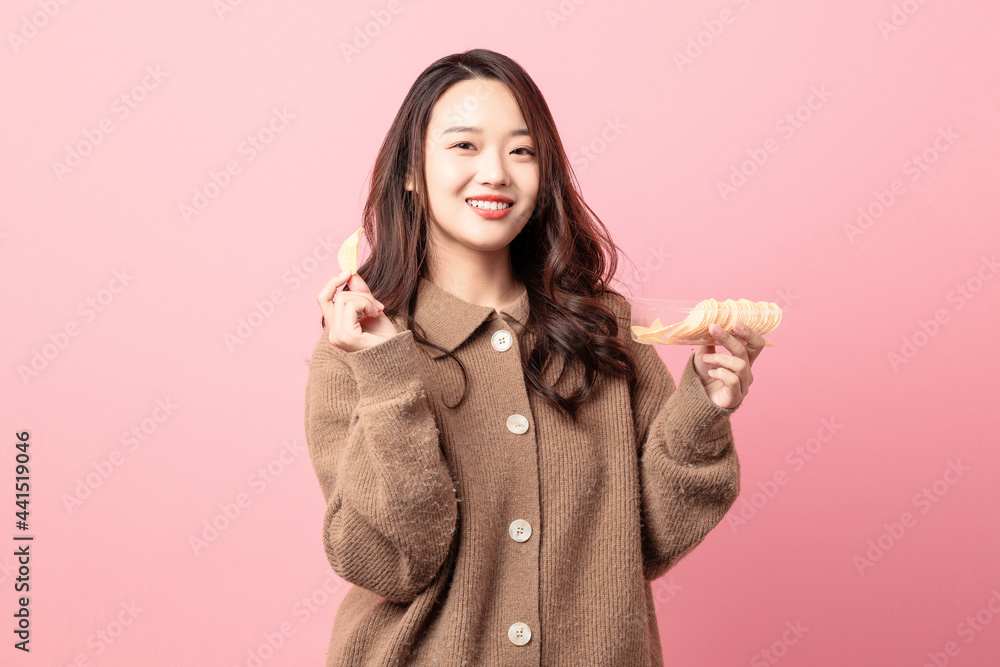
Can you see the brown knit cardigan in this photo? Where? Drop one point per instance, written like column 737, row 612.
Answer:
column 499, row 532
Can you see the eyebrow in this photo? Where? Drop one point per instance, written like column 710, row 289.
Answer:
column 521, row 132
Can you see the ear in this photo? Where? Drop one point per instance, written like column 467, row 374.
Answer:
column 409, row 182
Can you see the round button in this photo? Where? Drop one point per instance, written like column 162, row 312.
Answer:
column 520, row 530
column 519, row 633
column 502, row 340
column 517, row 423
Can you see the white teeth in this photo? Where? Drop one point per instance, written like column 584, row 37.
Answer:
column 487, row 205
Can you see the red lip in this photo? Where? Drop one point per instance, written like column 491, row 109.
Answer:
column 497, row 198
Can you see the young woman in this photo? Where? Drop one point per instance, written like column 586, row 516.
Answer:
column 505, row 470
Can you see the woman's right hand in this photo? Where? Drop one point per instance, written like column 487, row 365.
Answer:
column 354, row 316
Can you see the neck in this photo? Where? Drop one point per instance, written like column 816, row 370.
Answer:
column 489, row 284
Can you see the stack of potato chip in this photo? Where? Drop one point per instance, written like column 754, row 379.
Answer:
column 761, row 316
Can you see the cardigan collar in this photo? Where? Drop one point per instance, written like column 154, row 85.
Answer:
column 448, row 321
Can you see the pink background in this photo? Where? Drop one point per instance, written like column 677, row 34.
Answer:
column 651, row 140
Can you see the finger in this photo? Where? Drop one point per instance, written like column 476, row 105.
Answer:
column 326, row 294
column 735, row 346
column 753, row 340
column 737, row 365
column 357, row 284
column 354, row 306
column 362, row 300
column 728, row 378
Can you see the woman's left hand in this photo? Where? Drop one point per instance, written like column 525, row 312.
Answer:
column 727, row 377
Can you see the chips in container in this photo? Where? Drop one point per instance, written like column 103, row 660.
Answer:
column 680, row 322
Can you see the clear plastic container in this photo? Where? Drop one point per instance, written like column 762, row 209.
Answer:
column 680, row 322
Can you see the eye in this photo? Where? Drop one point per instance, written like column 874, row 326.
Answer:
column 529, row 151
column 462, row 143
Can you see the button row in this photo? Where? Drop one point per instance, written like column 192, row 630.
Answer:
column 519, row 529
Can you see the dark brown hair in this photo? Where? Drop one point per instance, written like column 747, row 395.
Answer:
column 564, row 255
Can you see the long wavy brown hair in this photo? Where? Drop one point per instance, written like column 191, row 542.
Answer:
column 564, row 256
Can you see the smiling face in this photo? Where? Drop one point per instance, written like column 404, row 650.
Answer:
column 477, row 146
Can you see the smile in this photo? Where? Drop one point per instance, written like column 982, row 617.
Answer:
column 487, row 205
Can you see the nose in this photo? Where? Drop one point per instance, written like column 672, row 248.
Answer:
column 492, row 170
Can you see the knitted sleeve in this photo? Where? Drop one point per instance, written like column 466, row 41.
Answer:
column 391, row 507
column 689, row 471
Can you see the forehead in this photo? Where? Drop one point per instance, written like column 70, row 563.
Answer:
column 476, row 102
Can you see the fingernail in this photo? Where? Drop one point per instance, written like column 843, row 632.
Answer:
column 715, row 329
column 739, row 326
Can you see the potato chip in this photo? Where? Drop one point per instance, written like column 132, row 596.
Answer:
column 347, row 257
